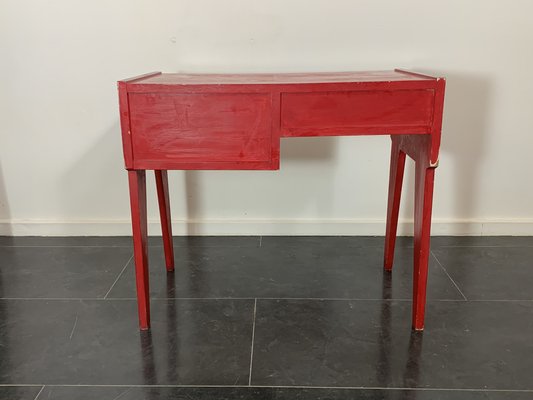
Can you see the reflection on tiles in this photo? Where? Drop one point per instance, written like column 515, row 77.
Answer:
column 330, row 325
column 296, row 271
column 98, row 342
column 369, row 344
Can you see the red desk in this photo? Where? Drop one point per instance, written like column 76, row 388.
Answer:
column 217, row 122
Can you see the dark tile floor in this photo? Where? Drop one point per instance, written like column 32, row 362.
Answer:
column 265, row 318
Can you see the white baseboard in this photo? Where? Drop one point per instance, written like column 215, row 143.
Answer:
column 328, row 227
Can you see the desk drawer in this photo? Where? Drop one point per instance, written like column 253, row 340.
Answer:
column 356, row 112
column 200, row 128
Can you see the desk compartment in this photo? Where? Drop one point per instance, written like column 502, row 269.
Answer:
column 200, row 129
column 356, row 112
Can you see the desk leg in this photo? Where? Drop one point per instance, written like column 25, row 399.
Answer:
column 417, row 147
column 137, row 182
column 397, row 165
column 161, row 181
column 424, row 178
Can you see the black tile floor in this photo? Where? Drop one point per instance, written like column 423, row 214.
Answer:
column 265, row 318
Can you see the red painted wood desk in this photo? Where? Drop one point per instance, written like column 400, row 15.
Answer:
column 207, row 122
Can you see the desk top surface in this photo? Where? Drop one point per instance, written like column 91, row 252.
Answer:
column 286, row 78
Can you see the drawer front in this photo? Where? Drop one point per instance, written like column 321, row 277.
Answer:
column 200, row 128
column 356, row 112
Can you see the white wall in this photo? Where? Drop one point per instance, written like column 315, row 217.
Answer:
column 61, row 168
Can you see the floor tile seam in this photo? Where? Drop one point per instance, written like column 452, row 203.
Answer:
column 449, row 276
column 254, row 246
column 69, row 246
column 123, row 393
column 510, row 246
column 118, row 277
column 262, row 298
column 40, row 391
column 217, row 299
column 232, row 246
column 260, row 238
column 391, row 388
column 344, row 246
column 252, row 346
column 262, row 245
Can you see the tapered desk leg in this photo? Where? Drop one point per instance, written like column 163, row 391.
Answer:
column 418, row 148
column 161, row 181
column 424, row 178
column 137, row 182
column 397, row 165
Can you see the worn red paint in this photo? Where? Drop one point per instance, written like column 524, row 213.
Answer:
column 235, row 121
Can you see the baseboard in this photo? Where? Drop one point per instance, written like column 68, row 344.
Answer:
column 328, row 227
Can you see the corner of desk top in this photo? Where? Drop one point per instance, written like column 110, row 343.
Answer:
column 424, row 76
column 124, row 82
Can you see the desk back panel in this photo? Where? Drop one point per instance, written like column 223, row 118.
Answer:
column 180, row 121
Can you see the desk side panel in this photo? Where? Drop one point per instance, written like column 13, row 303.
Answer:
column 125, row 124
column 437, row 122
